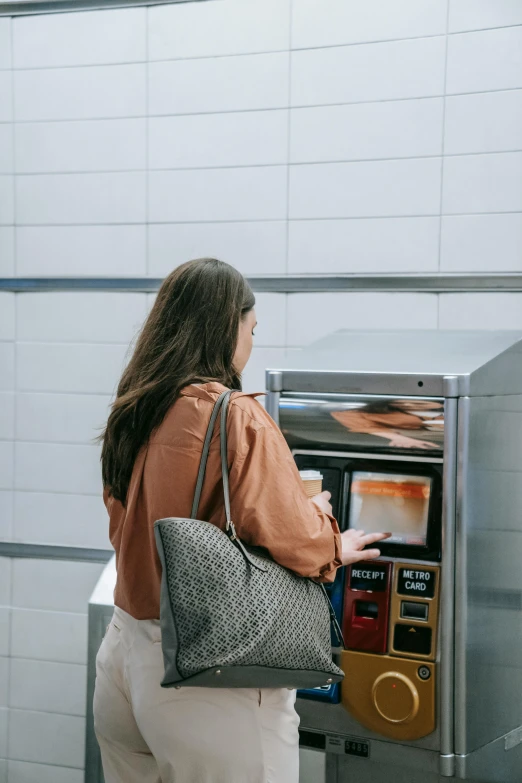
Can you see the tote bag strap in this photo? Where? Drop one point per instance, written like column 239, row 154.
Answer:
column 204, row 458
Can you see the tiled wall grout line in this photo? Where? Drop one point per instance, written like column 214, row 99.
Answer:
column 443, row 139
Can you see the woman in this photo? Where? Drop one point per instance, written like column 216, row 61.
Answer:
column 195, row 343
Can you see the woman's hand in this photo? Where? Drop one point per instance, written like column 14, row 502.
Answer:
column 353, row 543
column 322, row 501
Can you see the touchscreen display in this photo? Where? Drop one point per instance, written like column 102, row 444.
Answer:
column 388, row 502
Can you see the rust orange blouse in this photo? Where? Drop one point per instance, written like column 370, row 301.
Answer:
column 269, row 505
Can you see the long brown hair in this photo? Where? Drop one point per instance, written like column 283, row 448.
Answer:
column 190, row 336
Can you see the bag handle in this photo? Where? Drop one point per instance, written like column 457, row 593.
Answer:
column 221, row 405
column 204, row 456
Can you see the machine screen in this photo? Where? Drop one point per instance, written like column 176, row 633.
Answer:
column 391, row 502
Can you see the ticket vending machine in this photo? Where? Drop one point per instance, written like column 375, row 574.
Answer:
column 419, row 434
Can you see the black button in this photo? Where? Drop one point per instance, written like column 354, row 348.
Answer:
column 413, row 610
column 424, row 673
column 412, row 639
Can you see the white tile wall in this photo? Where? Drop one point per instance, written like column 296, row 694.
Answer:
column 254, row 375
column 7, row 407
column 46, row 738
column 311, row 316
column 25, row 772
column 66, row 418
column 394, row 129
column 218, row 194
column 7, row 324
column 5, row 581
column 5, row 615
column 7, row 251
column 4, row 682
column 99, row 145
column 60, row 519
column 478, row 14
column 253, row 248
column 370, row 72
column 80, row 317
column 472, row 122
column 81, row 250
column 49, row 636
column 6, row 149
column 367, row 189
column 271, row 320
column 335, row 22
column 5, row 42
column 6, row 515
column 44, row 686
column 6, row 464
column 480, row 311
column 54, row 40
column 53, row 467
column 223, row 84
column 490, row 60
column 7, row 365
column 233, row 139
column 62, row 585
column 6, row 200
column 482, row 183
column 482, row 243
column 227, row 27
column 363, row 246
column 87, row 369
column 96, row 92
column 81, row 198
column 3, row 731
column 6, row 96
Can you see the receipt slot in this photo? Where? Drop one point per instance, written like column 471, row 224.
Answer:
column 419, row 434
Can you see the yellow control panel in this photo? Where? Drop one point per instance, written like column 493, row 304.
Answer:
column 392, row 691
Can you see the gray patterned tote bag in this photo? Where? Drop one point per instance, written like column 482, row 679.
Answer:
column 230, row 616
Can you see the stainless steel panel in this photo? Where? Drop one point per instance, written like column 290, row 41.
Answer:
column 334, row 719
column 352, row 382
column 447, row 619
column 488, row 659
column 363, row 423
column 433, row 363
column 493, row 763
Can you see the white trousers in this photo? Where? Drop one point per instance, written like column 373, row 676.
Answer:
column 150, row 734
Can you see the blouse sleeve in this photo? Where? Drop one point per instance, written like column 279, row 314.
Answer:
column 270, row 508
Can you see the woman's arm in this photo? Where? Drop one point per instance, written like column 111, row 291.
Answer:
column 270, row 508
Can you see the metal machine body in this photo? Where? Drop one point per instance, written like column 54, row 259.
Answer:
column 431, row 423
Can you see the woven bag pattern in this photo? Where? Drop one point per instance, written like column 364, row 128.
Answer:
column 236, row 614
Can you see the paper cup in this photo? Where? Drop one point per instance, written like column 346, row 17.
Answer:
column 312, row 481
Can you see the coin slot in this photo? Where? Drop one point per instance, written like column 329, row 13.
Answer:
column 413, row 610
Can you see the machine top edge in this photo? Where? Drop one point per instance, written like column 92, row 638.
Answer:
column 433, row 363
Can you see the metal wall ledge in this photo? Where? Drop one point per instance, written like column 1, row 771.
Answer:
column 27, row 7
column 288, row 284
column 51, row 552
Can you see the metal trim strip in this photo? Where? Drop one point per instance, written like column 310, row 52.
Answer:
column 52, row 552
column 23, row 8
column 447, row 609
column 461, row 587
column 284, row 284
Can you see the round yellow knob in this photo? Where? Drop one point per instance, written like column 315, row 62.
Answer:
column 395, row 697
